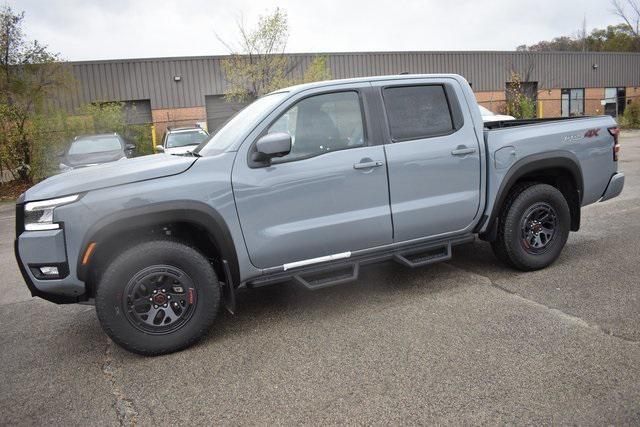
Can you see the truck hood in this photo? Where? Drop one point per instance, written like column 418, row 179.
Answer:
column 109, row 175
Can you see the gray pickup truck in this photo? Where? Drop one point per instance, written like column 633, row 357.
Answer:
column 308, row 184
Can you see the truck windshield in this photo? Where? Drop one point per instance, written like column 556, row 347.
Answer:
column 182, row 139
column 239, row 124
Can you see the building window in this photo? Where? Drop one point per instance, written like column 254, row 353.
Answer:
column 614, row 98
column 572, row 102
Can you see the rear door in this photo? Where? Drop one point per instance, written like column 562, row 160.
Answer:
column 433, row 157
column 328, row 196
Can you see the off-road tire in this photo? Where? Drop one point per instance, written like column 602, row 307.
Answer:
column 111, row 296
column 508, row 246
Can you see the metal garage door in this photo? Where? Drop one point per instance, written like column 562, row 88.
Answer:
column 137, row 112
column 219, row 111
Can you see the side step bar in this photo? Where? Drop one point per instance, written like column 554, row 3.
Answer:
column 424, row 256
column 340, row 270
column 329, row 276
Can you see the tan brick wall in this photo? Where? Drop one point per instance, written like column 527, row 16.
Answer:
column 592, row 98
column 494, row 101
column 163, row 118
column 549, row 103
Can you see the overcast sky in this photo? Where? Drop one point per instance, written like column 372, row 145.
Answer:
column 108, row 29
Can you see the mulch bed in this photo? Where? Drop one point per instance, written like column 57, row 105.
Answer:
column 10, row 191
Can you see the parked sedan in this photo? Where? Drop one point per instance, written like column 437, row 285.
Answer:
column 490, row 116
column 92, row 150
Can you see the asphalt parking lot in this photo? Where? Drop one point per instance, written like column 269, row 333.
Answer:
column 467, row 341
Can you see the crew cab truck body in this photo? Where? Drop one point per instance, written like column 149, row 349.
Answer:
column 308, row 183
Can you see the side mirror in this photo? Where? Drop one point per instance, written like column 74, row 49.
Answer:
column 159, row 148
column 129, row 147
column 273, row 145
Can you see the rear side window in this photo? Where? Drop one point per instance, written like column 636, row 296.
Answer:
column 416, row 112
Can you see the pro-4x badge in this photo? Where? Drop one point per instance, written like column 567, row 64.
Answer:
column 590, row 133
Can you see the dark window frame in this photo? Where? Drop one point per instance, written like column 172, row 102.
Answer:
column 568, row 91
column 279, row 161
column 454, row 128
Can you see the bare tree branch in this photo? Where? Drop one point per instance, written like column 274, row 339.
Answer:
column 632, row 21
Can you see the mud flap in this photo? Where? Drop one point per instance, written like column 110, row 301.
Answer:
column 228, row 290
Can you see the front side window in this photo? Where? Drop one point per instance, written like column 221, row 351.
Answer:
column 572, row 102
column 321, row 124
column 416, row 112
column 98, row 144
column 240, row 124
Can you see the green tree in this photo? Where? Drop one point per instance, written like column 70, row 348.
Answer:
column 259, row 65
column 317, row 70
column 30, row 77
column 623, row 37
column 614, row 38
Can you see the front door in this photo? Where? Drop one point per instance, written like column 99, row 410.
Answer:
column 433, row 158
column 328, row 196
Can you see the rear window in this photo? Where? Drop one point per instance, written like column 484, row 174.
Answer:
column 416, row 112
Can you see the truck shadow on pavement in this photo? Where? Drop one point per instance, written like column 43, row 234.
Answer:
column 379, row 286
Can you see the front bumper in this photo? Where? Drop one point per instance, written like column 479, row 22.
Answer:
column 46, row 248
column 616, row 183
column 46, row 289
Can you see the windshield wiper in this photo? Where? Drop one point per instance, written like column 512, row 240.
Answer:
column 188, row 154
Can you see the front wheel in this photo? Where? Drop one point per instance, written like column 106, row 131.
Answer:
column 533, row 227
column 157, row 297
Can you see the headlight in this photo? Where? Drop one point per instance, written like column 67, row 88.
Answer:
column 39, row 215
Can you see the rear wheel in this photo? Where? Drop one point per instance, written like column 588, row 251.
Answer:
column 533, row 227
column 158, row 297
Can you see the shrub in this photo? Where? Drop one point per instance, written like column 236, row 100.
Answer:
column 631, row 116
column 518, row 104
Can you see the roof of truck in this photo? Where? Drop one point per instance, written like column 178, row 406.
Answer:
column 323, row 83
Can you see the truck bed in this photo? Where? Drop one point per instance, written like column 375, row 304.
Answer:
column 585, row 140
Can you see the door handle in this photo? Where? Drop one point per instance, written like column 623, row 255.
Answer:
column 463, row 150
column 367, row 165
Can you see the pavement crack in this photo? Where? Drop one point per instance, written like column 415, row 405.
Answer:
column 125, row 409
column 559, row 313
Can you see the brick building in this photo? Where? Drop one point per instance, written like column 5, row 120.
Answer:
column 186, row 90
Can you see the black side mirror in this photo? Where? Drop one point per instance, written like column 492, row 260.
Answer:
column 129, row 147
column 272, row 145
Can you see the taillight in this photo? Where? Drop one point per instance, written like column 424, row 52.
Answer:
column 615, row 131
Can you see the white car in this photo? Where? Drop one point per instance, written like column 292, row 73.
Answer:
column 182, row 140
column 490, row 116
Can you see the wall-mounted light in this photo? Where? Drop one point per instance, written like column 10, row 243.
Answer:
column 177, row 78
column 594, row 66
